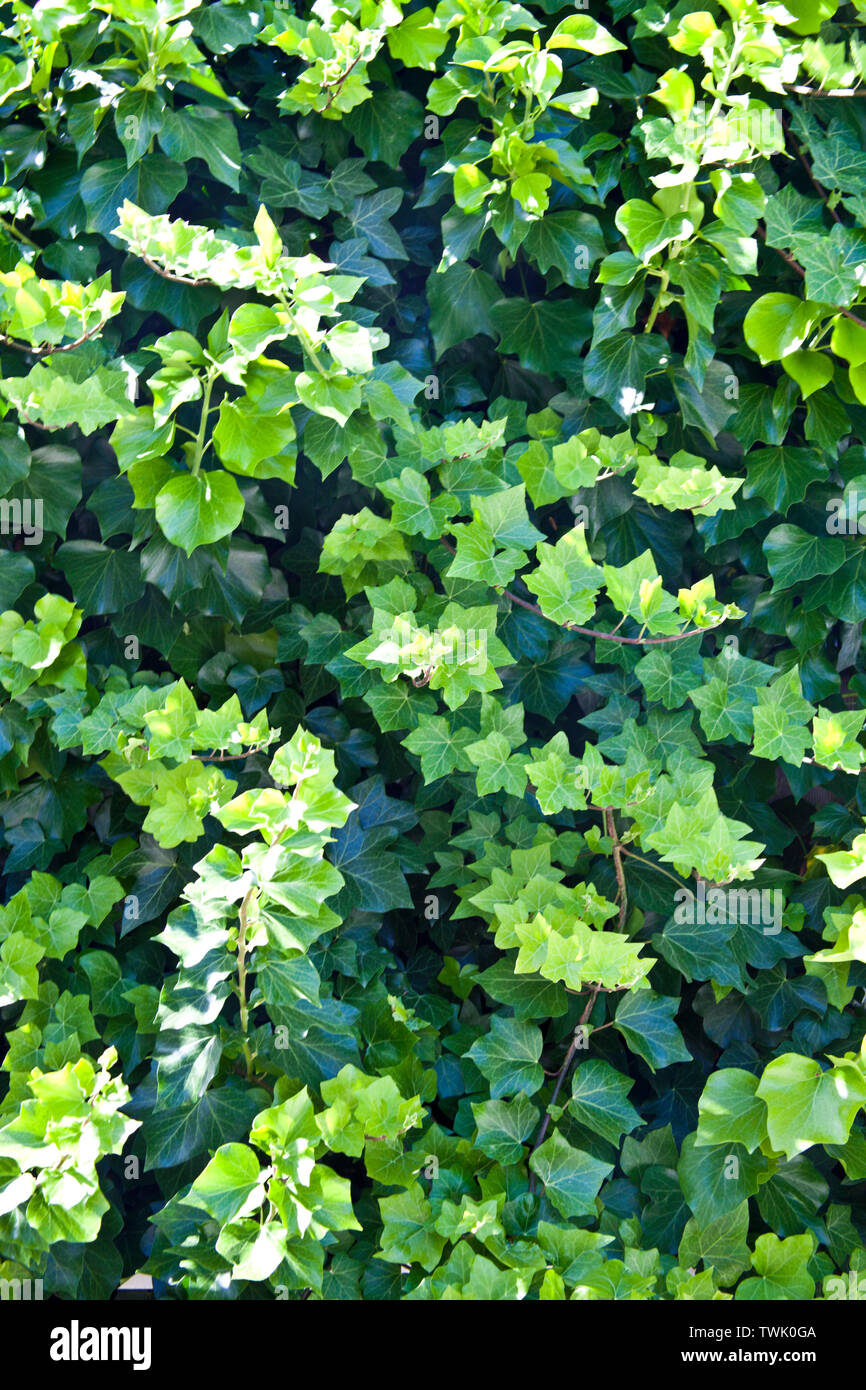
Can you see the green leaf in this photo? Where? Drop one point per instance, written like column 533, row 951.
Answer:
column 729, row 1111
column 794, row 556
column 810, row 370
column 781, row 1269
column 571, row 1178
column 567, row 242
column 722, row 1244
column 646, row 1021
column 460, row 299
column 617, row 368
column 413, row 510
column 835, row 264
column 386, row 127
column 782, row 475
column 806, row 1105
column 497, row 769
column 547, row 337
column 407, row 1235
column 716, row 1180
column 19, row 978
column 231, row 1185
column 202, row 132
column 103, row 580
column 566, row 580
column 835, row 739
column 70, row 390
column 508, row 1056
column 504, row 1127
column 153, row 183
column 648, row 230
column 776, row 325
column 417, row 40
column 780, row 720
column 224, row 1112
column 598, row 1100
column 197, row 510
column 580, row 31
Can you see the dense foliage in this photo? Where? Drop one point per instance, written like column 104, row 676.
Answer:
column 431, row 606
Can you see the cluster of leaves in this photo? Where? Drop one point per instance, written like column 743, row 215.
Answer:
column 446, row 567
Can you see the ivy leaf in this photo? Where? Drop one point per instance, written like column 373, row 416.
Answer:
column 187, row 1063
column 806, row 1105
column 413, row 510
column 461, row 298
column 373, row 878
column 669, row 678
column 197, row 510
column 529, row 996
column 104, row 580
column 385, row 128
column 566, row 580
column 504, row 1126
column 571, row 1178
column 369, row 218
column 781, row 1267
column 408, row 1235
column 648, row 230
column 780, row 720
column 19, row 978
column 508, row 1056
column 202, row 132
column 617, row 368
column 846, row 867
column 138, row 117
column 231, row 1185
column 721, row 1244
column 553, row 774
column 418, row 40
column 730, row 1112
column 63, row 391
column 782, row 475
column 568, row 242
column 580, row 31
column 497, row 769
column 646, row 1021
column 153, row 183
column 547, row 337
column 598, row 1100
column 835, row 264
column 777, row 324
column 440, row 748
column 716, row 1179
column 794, row 556
column 223, row 1113
column 835, row 739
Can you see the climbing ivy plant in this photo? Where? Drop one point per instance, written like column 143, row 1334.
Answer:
column 432, row 686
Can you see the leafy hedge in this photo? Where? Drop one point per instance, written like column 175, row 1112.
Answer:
column 432, row 592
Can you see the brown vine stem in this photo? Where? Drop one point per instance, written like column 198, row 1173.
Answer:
column 337, row 82
column 18, row 234
column 257, row 1077
column 563, row 1072
column 622, row 891
column 830, row 91
column 224, row 757
column 168, row 275
column 246, row 905
column 50, row 350
column 639, row 857
column 590, row 632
